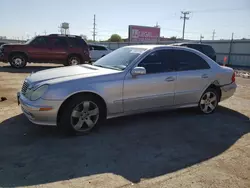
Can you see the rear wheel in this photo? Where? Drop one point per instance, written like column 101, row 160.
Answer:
column 209, row 101
column 82, row 114
column 18, row 61
column 73, row 60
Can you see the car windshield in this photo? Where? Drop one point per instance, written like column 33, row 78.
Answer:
column 30, row 40
column 120, row 58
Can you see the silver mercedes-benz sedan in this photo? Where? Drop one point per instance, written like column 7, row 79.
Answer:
column 132, row 79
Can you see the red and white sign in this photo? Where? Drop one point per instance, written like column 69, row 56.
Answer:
column 143, row 34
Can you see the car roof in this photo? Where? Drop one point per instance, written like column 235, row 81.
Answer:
column 146, row 46
column 97, row 44
column 193, row 43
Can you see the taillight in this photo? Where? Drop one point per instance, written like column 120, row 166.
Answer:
column 86, row 51
column 233, row 77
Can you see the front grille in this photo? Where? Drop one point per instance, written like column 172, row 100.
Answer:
column 25, row 87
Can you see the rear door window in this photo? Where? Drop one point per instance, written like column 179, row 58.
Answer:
column 76, row 42
column 100, row 48
column 59, row 42
column 196, row 47
column 208, row 50
column 186, row 61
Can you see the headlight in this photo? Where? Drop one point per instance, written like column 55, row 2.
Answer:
column 38, row 93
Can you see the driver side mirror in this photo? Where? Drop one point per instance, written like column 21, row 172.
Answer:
column 138, row 71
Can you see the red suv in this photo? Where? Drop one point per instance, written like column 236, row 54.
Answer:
column 66, row 49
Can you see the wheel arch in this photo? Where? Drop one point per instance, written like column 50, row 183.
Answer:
column 75, row 54
column 18, row 52
column 97, row 96
column 214, row 85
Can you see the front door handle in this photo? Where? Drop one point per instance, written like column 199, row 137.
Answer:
column 170, row 79
column 204, row 76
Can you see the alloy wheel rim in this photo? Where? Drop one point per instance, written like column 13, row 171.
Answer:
column 74, row 61
column 17, row 61
column 208, row 102
column 84, row 116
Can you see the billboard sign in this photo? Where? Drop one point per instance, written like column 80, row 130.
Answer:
column 143, row 33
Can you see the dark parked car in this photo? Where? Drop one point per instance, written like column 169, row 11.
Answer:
column 66, row 49
column 204, row 48
column 2, row 43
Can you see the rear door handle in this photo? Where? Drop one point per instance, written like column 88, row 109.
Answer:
column 204, row 76
column 170, row 79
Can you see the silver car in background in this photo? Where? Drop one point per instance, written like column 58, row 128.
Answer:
column 130, row 80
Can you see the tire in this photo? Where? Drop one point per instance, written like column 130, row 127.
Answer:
column 73, row 60
column 76, row 119
column 18, row 61
column 209, row 101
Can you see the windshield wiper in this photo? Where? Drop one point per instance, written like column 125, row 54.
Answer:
column 100, row 66
column 108, row 67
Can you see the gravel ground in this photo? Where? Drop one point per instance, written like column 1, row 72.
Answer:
column 166, row 149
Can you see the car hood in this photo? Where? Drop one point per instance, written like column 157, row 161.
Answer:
column 68, row 73
column 13, row 45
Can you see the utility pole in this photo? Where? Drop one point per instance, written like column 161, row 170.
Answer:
column 45, row 32
column 230, row 49
column 184, row 17
column 213, row 34
column 201, row 37
column 94, row 29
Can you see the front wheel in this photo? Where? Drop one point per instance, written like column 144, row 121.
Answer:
column 82, row 114
column 209, row 101
column 18, row 61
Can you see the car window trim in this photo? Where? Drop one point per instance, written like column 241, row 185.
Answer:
column 46, row 39
column 52, row 42
column 190, row 51
column 148, row 53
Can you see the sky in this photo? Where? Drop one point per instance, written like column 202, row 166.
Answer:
column 22, row 19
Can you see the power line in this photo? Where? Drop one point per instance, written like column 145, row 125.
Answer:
column 218, row 10
column 184, row 17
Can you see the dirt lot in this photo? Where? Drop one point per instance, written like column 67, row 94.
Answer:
column 165, row 149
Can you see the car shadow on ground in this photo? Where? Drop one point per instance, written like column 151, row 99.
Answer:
column 134, row 147
column 28, row 69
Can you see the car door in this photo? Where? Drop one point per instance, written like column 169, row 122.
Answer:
column 59, row 48
column 193, row 76
column 155, row 88
column 39, row 49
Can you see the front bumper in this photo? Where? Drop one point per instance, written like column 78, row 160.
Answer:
column 34, row 110
column 3, row 57
column 227, row 91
